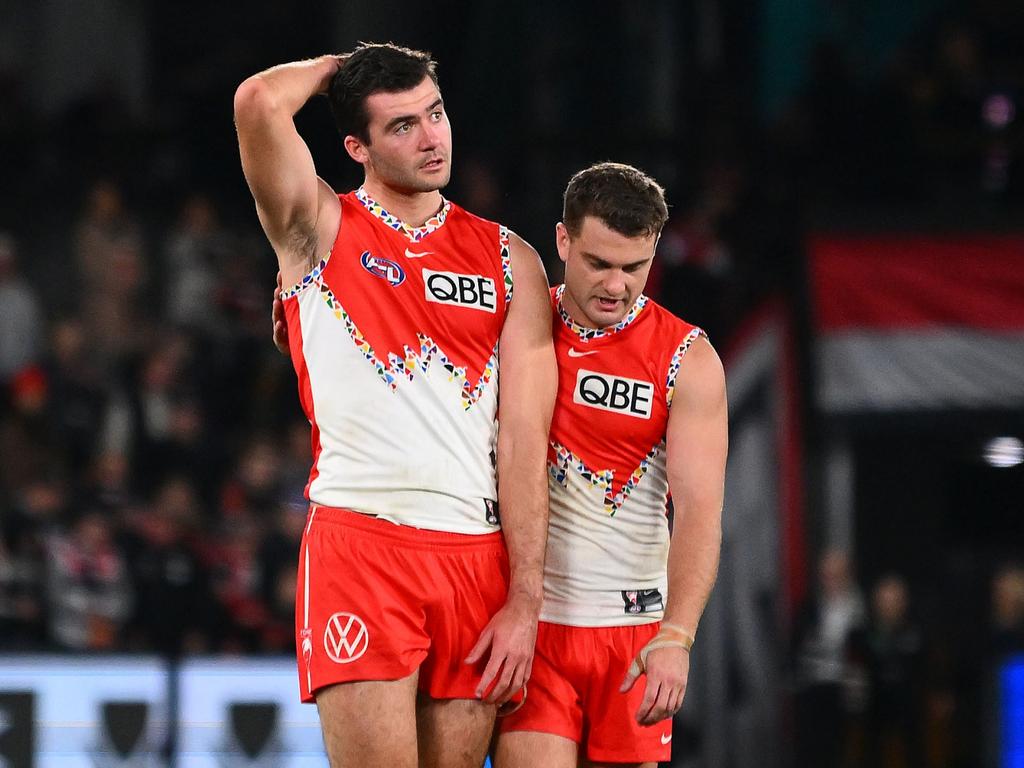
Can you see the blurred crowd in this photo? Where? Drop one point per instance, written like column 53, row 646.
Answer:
column 154, row 452
column 878, row 683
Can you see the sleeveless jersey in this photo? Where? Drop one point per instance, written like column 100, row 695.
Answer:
column 608, row 534
column 394, row 339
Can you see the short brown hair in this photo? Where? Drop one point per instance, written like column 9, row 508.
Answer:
column 374, row 68
column 626, row 199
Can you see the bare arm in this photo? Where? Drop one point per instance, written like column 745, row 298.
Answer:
column 697, row 444
column 527, row 379
column 298, row 210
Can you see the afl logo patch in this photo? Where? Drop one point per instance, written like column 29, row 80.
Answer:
column 383, row 268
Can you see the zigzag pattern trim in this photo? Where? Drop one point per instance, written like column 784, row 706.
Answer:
column 601, row 479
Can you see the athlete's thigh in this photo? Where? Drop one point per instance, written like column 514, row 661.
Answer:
column 533, row 749
column 453, row 733
column 370, row 724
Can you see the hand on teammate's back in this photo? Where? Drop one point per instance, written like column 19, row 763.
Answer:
column 277, row 316
column 667, row 670
column 511, row 635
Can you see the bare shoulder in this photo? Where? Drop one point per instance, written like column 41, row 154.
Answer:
column 520, row 248
column 529, row 314
column 701, row 377
column 526, row 262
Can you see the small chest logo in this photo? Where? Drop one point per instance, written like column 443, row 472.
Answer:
column 471, row 291
column 382, row 268
column 491, row 512
column 642, row 600
column 629, row 397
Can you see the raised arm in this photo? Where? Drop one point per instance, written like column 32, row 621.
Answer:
column 527, row 379
column 697, row 444
column 298, row 210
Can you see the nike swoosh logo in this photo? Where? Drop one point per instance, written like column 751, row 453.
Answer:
column 574, row 353
column 413, row 255
column 666, row 738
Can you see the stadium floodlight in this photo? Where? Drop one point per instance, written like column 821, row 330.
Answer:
column 1004, row 452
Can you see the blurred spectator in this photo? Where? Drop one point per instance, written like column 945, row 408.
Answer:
column 695, row 261
column 78, row 399
column 891, row 650
column 105, row 485
column 194, row 251
column 242, row 291
column 23, row 530
column 104, row 226
column 88, row 586
column 21, row 610
column 108, row 250
column 113, row 311
column 256, row 484
column 1007, row 632
column 157, row 419
column 20, row 317
column 824, row 628
column 279, row 561
column 235, row 560
column 298, row 456
column 26, row 444
column 174, row 610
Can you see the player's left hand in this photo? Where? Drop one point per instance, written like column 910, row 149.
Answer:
column 277, row 316
column 511, row 634
column 667, row 671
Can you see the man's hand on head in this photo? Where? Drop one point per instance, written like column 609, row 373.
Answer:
column 339, row 59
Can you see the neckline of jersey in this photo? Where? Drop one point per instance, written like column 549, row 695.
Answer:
column 415, row 234
column 586, row 334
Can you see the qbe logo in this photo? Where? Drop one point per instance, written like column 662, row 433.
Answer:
column 614, row 393
column 472, row 291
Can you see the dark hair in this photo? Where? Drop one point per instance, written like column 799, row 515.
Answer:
column 627, row 200
column 374, row 68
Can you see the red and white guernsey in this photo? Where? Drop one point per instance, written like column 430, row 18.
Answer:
column 608, row 534
column 394, row 338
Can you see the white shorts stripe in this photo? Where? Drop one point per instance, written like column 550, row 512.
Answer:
column 305, row 595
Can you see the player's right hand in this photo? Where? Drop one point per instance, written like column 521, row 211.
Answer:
column 511, row 635
column 277, row 316
column 339, row 59
column 667, row 670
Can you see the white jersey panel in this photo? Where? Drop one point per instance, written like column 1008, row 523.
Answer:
column 596, row 559
column 410, row 453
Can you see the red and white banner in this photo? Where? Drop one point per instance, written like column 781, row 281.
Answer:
column 911, row 323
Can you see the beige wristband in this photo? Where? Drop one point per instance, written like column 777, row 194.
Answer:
column 669, row 636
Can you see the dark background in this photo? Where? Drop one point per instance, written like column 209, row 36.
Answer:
column 153, row 449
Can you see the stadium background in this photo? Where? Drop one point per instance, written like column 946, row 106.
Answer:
column 846, row 189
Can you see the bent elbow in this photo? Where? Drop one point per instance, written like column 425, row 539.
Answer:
column 254, row 99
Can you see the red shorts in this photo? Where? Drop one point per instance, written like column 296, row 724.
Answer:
column 574, row 692
column 376, row 601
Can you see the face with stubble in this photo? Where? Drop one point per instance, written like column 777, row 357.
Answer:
column 410, row 144
column 605, row 271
